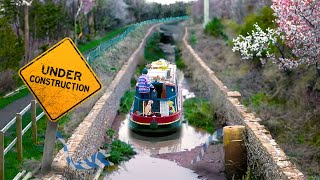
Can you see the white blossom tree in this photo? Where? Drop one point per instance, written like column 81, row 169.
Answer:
column 298, row 27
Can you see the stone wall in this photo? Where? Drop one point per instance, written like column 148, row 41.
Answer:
column 264, row 155
column 89, row 136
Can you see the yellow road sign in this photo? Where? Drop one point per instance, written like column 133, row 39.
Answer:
column 60, row 79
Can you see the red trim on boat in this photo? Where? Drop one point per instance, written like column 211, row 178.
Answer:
column 164, row 119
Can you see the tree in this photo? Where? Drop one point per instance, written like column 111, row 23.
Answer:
column 11, row 48
column 298, row 27
column 300, row 23
column 26, row 4
column 45, row 19
column 84, row 6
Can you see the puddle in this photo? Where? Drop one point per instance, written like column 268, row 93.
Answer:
column 144, row 167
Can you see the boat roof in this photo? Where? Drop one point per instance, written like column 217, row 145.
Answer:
column 162, row 71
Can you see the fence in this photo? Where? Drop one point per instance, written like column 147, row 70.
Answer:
column 20, row 132
column 105, row 45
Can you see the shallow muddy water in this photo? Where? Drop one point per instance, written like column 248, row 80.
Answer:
column 185, row 139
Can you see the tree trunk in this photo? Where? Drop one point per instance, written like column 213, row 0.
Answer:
column 91, row 24
column 318, row 68
column 75, row 31
column 26, row 33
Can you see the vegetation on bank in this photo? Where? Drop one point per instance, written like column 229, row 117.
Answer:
column 179, row 61
column 192, row 38
column 119, row 151
column 32, row 153
column 5, row 101
column 250, row 175
column 215, row 28
column 199, row 113
column 152, row 51
column 126, row 101
column 84, row 47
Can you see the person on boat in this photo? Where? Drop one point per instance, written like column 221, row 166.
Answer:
column 144, row 85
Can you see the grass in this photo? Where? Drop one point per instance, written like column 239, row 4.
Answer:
column 92, row 44
column 215, row 28
column 179, row 61
column 250, row 175
column 30, row 151
column 6, row 101
column 126, row 102
column 260, row 98
column 152, row 51
column 120, row 151
column 193, row 38
column 199, row 113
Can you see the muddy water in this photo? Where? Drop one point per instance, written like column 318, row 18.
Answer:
column 143, row 166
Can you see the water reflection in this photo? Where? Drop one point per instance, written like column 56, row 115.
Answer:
column 143, row 167
column 185, row 139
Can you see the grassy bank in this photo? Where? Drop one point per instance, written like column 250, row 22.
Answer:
column 199, row 113
column 32, row 153
column 93, row 44
column 126, row 101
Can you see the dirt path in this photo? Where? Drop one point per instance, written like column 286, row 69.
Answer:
column 9, row 112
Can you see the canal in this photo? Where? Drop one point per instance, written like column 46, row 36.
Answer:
column 168, row 156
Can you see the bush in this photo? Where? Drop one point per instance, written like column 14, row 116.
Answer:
column 179, row 61
column 215, row 28
column 264, row 19
column 7, row 82
column 120, row 151
column 193, row 38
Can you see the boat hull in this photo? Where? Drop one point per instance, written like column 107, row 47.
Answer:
column 155, row 124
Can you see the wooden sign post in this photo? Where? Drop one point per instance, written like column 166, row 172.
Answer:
column 49, row 143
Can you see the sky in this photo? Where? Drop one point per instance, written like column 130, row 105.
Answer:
column 167, row 1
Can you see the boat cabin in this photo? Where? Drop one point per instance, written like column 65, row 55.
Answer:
column 164, row 95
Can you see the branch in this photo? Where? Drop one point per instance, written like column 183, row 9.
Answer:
column 277, row 46
column 307, row 20
column 26, row 2
column 79, row 8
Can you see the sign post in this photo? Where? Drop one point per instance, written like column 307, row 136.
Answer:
column 49, row 143
column 60, row 79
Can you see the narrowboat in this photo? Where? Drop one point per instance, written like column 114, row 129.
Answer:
column 162, row 112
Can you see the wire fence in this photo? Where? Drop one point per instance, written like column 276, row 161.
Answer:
column 105, row 45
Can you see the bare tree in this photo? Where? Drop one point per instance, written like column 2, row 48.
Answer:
column 26, row 4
